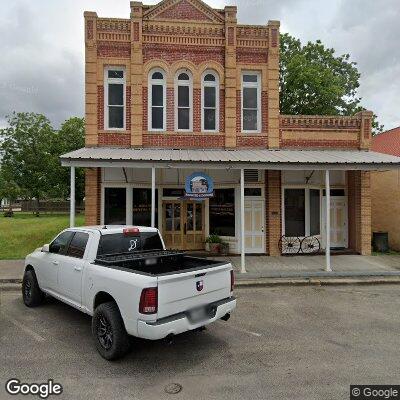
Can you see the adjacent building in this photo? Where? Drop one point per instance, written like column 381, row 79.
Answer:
column 179, row 88
column 385, row 190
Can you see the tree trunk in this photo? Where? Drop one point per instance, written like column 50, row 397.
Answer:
column 37, row 207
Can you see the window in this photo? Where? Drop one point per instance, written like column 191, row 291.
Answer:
column 183, row 101
column 210, row 102
column 251, row 102
column 114, row 98
column 77, row 246
column 302, row 215
column 117, row 243
column 222, row 212
column 252, row 192
column 141, row 207
column 157, row 96
column 60, row 243
column 115, row 206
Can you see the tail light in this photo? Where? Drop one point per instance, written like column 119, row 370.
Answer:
column 131, row 231
column 232, row 280
column 148, row 301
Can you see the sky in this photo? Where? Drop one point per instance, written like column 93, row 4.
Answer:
column 42, row 47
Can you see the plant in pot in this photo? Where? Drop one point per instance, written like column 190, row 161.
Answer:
column 214, row 243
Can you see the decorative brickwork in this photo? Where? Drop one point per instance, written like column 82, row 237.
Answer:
column 222, row 110
column 171, row 53
column 183, row 10
column 135, row 31
column 100, row 107
column 180, row 141
column 89, row 30
column 113, row 49
column 251, row 56
column 196, row 110
column 170, row 110
column 145, row 107
column 264, row 112
column 238, row 111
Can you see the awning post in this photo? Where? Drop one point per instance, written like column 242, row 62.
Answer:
column 153, row 197
column 328, row 221
column 242, row 238
column 72, row 199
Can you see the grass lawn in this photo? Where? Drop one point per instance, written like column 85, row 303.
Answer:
column 24, row 232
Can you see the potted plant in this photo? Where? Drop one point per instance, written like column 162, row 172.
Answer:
column 214, row 243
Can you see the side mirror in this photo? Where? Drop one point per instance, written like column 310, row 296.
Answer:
column 46, row 248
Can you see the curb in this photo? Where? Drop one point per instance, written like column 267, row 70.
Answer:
column 275, row 282
column 15, row 284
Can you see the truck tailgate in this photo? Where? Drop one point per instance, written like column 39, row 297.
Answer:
column 179, row 292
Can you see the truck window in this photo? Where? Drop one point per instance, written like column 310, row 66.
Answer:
column 117, row 243
column 77, row 246
column 60, row 243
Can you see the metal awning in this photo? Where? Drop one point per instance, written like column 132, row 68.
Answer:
column 231, row 159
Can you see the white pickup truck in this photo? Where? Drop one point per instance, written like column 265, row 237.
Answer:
column 129, row 283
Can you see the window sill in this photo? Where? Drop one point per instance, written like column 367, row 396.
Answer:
column 113, row 131
column 183, row 133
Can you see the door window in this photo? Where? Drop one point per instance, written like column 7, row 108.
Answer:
column 222, row 212
column 115, row 206
column 78, row 244
column 60, row 243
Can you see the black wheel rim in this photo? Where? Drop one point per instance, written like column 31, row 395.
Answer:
column 28, row 289
column 104, row 332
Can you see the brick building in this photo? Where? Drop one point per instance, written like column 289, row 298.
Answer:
column 181, row 87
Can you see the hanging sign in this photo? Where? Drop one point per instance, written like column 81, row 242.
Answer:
column 199, row 186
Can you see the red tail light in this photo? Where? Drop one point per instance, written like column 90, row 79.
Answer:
column 148, row 301
column 131, row 231
column 232, row 280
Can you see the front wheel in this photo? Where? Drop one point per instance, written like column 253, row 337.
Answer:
column 108, row 329
column 31, row 293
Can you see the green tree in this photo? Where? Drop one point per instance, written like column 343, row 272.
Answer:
column 26, row 147
column 8, row 190
column 316, row 81
column 71, row 136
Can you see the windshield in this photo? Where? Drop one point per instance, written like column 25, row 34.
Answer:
column 119, row 243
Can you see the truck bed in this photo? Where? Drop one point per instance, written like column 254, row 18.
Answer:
column 160, row 262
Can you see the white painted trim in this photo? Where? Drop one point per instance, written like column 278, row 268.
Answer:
column 107, row 81
column 242, row 237
column 190, row 85
column 72, row 199
column 215, row 85
column 152, row 82
column 256, row 85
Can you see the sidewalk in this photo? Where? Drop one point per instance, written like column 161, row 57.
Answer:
column 284, row 270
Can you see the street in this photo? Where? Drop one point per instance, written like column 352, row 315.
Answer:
column 281, row 343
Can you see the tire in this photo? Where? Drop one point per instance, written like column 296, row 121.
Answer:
column 31, row 293
column 109, row 333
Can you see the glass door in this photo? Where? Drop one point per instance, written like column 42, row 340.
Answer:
column 193, row 228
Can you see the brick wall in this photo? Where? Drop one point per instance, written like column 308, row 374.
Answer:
column 92, row 196
column 178, row 141
column 273, row 212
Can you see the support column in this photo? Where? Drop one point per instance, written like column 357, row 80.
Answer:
column 153, row 197
column 328, row 221
column 72, row 200
column 242, row 238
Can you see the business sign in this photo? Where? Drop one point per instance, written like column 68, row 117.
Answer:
column 199, row 186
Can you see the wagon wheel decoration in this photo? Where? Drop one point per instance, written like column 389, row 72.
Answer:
column 310, row 244
column 289, row 245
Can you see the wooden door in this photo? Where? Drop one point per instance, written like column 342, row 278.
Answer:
column 338, row 217
column 172, row 224
column 254, row 226
column 193, row 225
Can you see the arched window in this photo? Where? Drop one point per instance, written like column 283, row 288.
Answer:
column 184, row 101
column 157, row 100
column 209, row 102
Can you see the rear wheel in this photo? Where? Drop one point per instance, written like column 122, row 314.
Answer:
column 31, row 293
column 111, row 338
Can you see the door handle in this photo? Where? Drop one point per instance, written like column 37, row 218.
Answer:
column 55, row 262
column 78, row 268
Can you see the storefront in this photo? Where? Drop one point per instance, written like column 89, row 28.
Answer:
column 258, row 196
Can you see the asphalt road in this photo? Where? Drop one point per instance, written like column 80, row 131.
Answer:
column 281, row 343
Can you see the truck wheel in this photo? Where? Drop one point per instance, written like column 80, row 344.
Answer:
column 31, row 293
column 111, row 338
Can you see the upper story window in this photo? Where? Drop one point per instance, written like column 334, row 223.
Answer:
column 114, row 98
column 157, row 100
column 251, row 102
column 210, row 102
column 184, row 101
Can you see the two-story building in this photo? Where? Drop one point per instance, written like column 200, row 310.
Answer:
column 179, row 88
